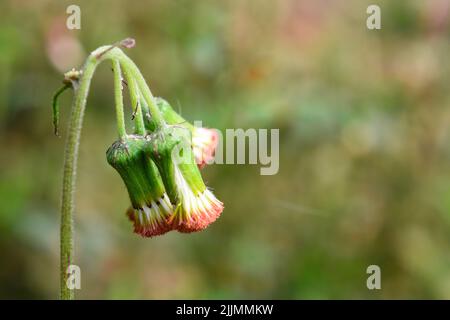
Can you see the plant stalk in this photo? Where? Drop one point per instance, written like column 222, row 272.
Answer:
column 133, row 70
column 81, row 90
column 135, row 103
column 118, row 95
column 70, row 164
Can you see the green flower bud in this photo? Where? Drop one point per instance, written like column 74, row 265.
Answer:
column 195, row 207
column 151, row 207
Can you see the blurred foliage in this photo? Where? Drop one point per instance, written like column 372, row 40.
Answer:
column 364, row 153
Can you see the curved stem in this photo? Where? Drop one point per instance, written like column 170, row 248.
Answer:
column 131, row 67
column 81, row 90
column 70, row 164
column 55, row 106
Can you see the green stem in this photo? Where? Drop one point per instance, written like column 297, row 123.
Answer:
column 131, row 67
column 135, row 103
column 70, row 164
column 56, row 108
column 81, row 90
column 145, row 109
column 119, row 99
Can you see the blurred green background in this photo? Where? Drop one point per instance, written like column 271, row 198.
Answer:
column 364, row 148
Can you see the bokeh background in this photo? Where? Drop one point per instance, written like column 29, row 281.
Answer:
column 364, row 148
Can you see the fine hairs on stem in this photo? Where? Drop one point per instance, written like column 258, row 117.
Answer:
column 137, row 85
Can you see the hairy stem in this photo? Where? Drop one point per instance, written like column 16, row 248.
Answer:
column 81, row 90
column 70, row 164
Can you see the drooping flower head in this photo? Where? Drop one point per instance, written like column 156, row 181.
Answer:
column 204, row 140
column 150, row 205
column 195, row 206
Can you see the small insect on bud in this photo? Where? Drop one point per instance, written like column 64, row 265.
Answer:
column 151, row 207
column 195, row 207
